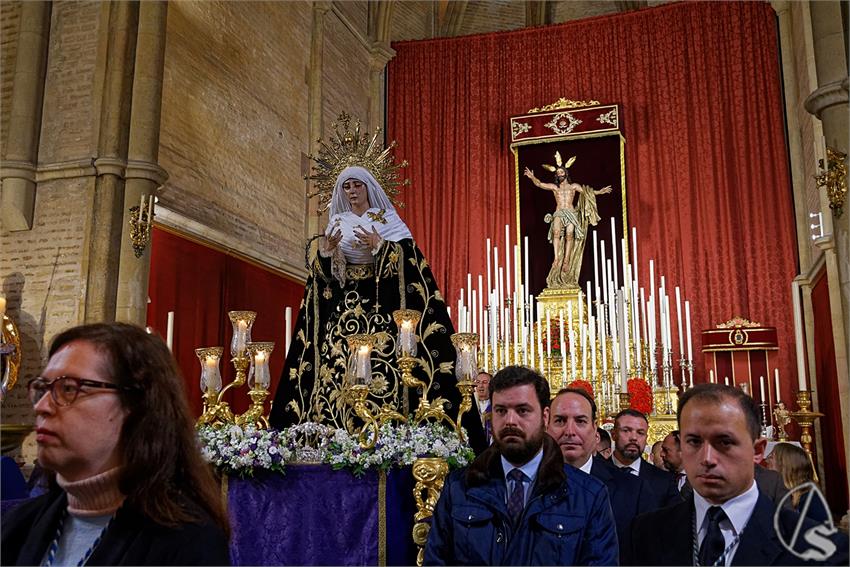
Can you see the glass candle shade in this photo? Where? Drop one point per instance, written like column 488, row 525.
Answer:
column 258, row 373
column 359, row 358
column 466, row 350
column 407, row 321
column 242, row 322
column 210, row 372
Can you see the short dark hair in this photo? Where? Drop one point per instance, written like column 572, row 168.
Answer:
column 511, row 376
column 715, row 393
column 604, row 436
column 631, row 412
column 583, row 393
column 162, row 463
column 675, row 434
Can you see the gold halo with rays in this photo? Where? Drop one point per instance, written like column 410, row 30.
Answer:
column 352, row 147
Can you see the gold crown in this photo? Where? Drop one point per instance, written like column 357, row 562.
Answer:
column 559, row 163
column 353, row 148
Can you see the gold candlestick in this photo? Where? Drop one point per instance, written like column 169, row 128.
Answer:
column 806, row 418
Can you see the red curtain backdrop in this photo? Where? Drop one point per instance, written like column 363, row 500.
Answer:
column 701, row 108
column 201, row 285
column 832, row 435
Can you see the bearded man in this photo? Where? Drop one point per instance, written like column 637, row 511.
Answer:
column 518, row 503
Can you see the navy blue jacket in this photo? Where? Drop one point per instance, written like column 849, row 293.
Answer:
column 567, row 521
column 630, row 496
column 665, row 537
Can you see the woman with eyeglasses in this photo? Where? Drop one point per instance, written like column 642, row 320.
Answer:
column 129, row 485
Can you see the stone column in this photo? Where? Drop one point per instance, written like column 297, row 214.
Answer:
column 105, row 228
column 379, row 55
column 18, row 167
column 143, row 176
column 314, row 79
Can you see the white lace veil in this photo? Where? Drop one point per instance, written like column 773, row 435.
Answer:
column 377, row 197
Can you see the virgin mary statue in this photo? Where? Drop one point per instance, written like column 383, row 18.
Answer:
column 364, row 267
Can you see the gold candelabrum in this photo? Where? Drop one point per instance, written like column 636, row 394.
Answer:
column 834, row 180
column 806, row 418
column 141, row 221
column 248, row 359
column 430, row 474
column 358, row 376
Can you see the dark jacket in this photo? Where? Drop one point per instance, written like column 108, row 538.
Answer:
column 665, row 537
column 630, row 496
column 770, row 484
column 661, row 483
column 567, row 521
column 132, row 539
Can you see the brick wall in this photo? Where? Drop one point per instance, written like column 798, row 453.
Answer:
column 10, row 20
column 234, row 120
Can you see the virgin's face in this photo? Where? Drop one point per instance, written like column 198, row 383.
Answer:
column 80, row 440
column 356, row 192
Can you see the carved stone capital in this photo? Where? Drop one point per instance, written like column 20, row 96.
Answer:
column 827, row 96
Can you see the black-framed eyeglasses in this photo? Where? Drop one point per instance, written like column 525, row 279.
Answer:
column 64, row 389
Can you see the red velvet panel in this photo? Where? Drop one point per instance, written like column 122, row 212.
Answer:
column 708, row 186
column 201, row 285
column 834, row 464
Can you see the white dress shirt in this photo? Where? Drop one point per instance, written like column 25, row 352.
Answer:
column 738, row 511
column 585, row 468
column 529, row 469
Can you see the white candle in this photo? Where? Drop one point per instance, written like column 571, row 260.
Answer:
column 540, row 336
column 363, row 363
column 583, row 351
column 761, row 390
column 563, row 346
column 526, row 281
column 481, row 324
column 726, row 380
column 548, row 335
column 501, row 292
column 489, row 284
column 711, row 376
column 516, row 329
column 141, row 206
column 679, row 317
column 508, row 261
column 150, row 211
column 605, row 275
column 592, row 328
column 776, row 379
column 602, row 342
column 288, row 320
column 798, row 336
column 688, row 330
column 572, row 339
column 533, row 352
column 634, row 254
column 595, row 265
column 474, row 311
column 614, row 252
column 169, row 333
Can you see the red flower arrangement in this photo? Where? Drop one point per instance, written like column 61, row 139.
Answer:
column 555, row 331
column 582, row 385
column 640, row 395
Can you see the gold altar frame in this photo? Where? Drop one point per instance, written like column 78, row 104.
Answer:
column 532, row 129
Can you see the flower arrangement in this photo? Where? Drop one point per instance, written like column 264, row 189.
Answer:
column 241, row 451
column 582, row 385
column 555, row 333
column 640, row 395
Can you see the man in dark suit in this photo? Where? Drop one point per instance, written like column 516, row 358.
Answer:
column 630, row 429
column 671, row 456
column 572, row 423
column 728, row 521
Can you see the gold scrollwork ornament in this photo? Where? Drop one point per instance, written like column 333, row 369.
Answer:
column 834, row 180
column 10, row 351
column 430, row 474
